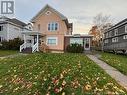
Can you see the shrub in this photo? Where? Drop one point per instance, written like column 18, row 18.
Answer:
column 75, row 48
column 11, row 44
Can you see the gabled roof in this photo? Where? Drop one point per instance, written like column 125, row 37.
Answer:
column 18, row 22
column 13, row 20
column 118, row 24
column 46, row 8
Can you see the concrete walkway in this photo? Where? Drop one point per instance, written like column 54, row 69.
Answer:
column 114, row 73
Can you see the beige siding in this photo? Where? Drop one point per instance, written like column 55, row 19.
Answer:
column 43, row 21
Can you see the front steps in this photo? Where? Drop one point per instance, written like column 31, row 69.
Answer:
column 27, row 50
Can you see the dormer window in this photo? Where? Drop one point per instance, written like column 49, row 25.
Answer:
column 126, row 28
column 116, row 32
column 53, row 26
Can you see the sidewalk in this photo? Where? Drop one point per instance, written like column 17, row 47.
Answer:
column 114, row 73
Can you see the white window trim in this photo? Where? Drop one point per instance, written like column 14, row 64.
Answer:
column 114, row 40
column 126, row 28
column 56, row 38
column 116, row 32
column 125, row 37
column 53, row 30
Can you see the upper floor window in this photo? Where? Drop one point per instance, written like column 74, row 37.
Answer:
column 125, row 37
column 115, row 39
column 116, row 32
column 106, row 35
column 125, row 28
column 110, row 34
column 53, row 26
column 106, row 41
column 1, row 28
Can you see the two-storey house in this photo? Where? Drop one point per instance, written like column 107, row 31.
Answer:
column 115, row 39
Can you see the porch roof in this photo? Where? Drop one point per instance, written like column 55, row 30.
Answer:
column 32, row 33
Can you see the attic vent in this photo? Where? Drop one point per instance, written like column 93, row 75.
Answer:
column 48, row 13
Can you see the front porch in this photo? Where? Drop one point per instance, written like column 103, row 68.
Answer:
column 31, row 41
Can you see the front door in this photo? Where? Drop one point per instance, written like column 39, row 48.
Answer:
column 87, row 43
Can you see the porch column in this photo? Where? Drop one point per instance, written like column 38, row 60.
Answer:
column 37, row 42
column 24, row 40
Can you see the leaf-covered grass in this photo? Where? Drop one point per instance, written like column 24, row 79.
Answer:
column 54, row 74
column 7, row 52
column 117, row 61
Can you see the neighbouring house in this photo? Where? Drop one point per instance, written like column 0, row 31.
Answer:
column 51, row 32
column 11, row 28
column 115, row 38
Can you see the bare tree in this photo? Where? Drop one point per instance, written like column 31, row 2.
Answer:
column 102, row 22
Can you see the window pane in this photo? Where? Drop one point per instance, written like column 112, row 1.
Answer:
column 52, row 41
column 56, row 26
column 52, row 26
column 76, row 40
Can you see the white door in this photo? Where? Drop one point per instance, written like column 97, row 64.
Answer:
column 87, row 43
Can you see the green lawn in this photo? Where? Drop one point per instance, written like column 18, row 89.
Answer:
column 7, row 52
column 117, row 61
column 54, row 74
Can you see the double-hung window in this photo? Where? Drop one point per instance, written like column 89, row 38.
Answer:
column 53, row 26
column 52, row 41
column 115, row 39
column 125, row 37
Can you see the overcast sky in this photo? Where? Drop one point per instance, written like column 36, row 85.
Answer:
column 80, row 12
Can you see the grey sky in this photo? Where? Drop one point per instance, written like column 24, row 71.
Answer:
column 80, row 12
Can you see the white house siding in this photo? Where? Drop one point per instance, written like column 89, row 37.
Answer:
column 4, row 32
column 13, row 32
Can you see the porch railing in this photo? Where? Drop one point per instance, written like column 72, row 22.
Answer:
column 23, row 46
column 34, row 47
